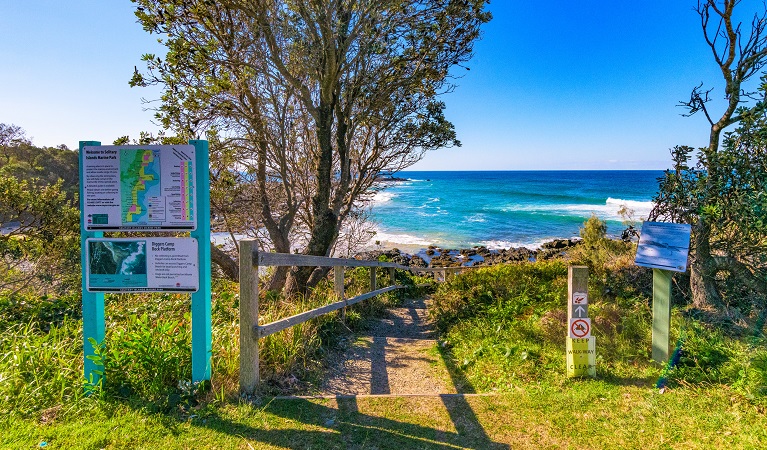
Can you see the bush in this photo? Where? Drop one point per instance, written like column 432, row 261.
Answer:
column 599, row 252
column 147, row 359
column 709, row 356
column 505, row 290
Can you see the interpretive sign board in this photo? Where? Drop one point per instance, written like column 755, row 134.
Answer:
column 136, row 188
column 142, row 265
column 147, row 188
column 664, row 245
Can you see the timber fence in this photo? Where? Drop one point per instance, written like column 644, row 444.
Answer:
column 250, row 330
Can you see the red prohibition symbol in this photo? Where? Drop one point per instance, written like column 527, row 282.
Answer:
column 580, row 328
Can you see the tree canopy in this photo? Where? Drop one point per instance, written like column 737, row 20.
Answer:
column 309, row 101
column 722, row 194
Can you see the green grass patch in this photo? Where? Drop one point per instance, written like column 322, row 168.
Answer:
column 146, row 354
column 588, row 414
column 504, row 327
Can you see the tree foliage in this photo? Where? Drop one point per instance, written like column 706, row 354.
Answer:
column 710, row 196
column 311, row 101
column 39, row 244
column 735, row 211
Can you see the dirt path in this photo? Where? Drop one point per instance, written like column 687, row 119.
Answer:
column 398, row 356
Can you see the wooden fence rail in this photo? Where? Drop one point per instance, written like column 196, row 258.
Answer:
column 251, row 331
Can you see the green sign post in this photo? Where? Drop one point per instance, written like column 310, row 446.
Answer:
column 145, row 188
column 93, row 302
column 201, row 330
column 663, row 246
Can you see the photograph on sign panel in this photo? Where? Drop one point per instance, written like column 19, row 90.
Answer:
column 117, row 263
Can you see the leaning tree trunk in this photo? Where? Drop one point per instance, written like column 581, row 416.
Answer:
column 702, row 271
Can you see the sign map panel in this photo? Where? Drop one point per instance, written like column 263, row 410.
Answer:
column 136, row 188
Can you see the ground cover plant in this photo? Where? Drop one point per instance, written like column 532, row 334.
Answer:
column 505, row 326
column 146, row 355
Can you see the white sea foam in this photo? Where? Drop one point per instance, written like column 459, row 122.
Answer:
column 399, row 238
column 499, row 244
column 476, row 218
column 428, row 203
column 641, row 209
column 381, row 197
column 609, row 210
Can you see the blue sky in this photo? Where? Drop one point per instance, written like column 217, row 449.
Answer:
column 553, row 85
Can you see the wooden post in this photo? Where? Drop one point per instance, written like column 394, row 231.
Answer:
column 338, row 285
column 580, row 346
column 391, row 276
column 661, row 314
column 249, row 372
column 373, row 283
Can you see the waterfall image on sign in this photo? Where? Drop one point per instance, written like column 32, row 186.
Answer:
column 118, row 258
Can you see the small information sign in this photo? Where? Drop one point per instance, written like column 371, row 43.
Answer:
column 580, row 298
column 580, row 328
column 135, row 188
column 142, row 265
column 664, row 245
column 581, row 357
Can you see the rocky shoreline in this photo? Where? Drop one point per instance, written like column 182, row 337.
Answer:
column 471, row 257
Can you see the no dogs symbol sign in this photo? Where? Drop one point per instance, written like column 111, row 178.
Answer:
column 580, row 328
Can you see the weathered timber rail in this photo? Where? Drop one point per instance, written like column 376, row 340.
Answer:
column 250, row 330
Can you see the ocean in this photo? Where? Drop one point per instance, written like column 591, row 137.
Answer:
column 505, row 209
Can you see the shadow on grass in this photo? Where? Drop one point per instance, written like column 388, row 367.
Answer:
column 345, row 427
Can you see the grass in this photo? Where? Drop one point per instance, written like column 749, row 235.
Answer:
column 591, row 414
column 504, row 327
column 502, row 333
column 146, row 355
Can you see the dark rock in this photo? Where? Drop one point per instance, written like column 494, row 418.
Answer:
column 444, row 260
column 417, row 261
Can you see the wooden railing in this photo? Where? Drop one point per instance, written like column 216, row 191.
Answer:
column 250, row 331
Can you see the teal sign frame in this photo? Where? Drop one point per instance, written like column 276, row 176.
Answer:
column 93, row 302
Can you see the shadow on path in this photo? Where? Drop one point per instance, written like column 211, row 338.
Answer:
column 435, row 421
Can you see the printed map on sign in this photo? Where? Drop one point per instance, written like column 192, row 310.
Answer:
column 140, row 185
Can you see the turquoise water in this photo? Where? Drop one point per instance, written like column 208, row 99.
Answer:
column 506, row 209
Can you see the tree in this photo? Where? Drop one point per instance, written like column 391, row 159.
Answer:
column 311, row 100
column 739, row 56
column 39, row 244
column 736, row 215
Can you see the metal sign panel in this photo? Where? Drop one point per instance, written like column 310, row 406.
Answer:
column 580, row 298
column 664, row 245
column 142, row 265
column 134, row 188
column 580, row 328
